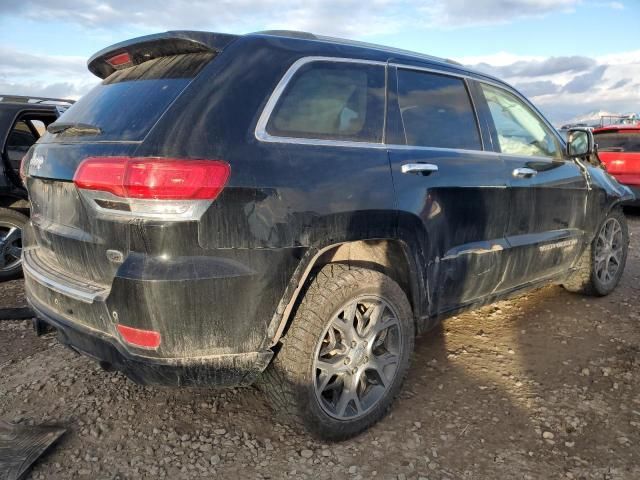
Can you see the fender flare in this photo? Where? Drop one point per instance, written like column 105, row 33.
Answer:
column 282, row 316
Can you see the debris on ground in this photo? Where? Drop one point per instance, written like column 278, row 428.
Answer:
column 543, row 386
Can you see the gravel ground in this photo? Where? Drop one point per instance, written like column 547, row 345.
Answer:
column 545, row 386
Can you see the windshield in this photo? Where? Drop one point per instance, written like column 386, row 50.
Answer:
column 618, row 141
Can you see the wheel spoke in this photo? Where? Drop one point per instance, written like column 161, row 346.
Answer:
column 602, row 238
column 379, row 363
column 386, row 323
column 345, row 324
column 330, row 346
column 324, row 382
column 12, row 235
column 372, row 317
column 361, row 321
column 617, row 256
column 616, row 230
column 349, row 396
column 331, row 367
column 15, row 252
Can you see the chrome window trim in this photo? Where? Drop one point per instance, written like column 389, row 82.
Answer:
column 532, row 157
column 441, row 149
column 554, row 133
column 262, row 135
column 467, row 88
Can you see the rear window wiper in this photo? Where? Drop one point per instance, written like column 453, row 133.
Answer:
column 74, row 128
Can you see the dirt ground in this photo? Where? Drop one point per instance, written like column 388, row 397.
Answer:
column 546, row 386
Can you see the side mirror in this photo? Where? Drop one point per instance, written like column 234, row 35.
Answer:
column 580, row 142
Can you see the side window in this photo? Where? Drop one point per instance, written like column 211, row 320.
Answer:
column 436, row 111
column 520, row 131
column 39, row 126
column 21, row 136
column 332, row 100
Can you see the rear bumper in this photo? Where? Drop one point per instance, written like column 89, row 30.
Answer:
column 215, row 370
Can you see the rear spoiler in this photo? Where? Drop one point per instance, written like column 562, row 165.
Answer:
column 137, row 50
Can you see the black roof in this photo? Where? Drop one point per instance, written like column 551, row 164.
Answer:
column 400, row 53
column 355, row 43
column 185, row 41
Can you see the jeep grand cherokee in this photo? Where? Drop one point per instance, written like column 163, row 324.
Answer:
column 289, row 209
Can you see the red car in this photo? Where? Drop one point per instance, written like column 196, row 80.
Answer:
column 619, row 150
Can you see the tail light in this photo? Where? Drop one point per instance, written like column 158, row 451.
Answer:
column 139, row 338
column 120, row 60
column 151, row 187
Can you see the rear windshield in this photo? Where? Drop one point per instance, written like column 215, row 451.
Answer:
column 618, row 141
column 129, row 102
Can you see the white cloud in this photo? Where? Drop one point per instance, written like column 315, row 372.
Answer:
column 564, row 87
column 23, row 73
column 560, row 85
column 334, row 17
column 462, row 13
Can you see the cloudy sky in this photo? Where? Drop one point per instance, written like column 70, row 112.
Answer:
column 569, row 56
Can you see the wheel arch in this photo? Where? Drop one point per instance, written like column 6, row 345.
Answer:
column 392, row 257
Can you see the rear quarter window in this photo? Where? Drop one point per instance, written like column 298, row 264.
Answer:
column 127, row 104
column 332, row 100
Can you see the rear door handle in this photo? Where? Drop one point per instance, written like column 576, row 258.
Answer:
column 524, row 172
column 419, row 168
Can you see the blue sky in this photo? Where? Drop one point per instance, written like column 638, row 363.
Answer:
column 570, row 56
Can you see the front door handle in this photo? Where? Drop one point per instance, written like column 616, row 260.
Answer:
column 524, row 172
column 419, row 168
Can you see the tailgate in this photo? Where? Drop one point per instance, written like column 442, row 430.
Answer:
column 69, row 236
column 110, row 122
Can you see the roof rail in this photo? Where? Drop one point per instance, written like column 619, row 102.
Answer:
column 356, row 43
column 37, row 100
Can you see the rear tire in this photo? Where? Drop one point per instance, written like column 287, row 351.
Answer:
column 345, row 355
column 601, row 265
column 12, row 224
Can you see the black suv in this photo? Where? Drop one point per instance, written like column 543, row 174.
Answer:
column 293, row 209
column 22, row 121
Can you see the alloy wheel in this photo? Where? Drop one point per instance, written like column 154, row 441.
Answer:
column 10, row 246
column 609, row 251
column 357, row 358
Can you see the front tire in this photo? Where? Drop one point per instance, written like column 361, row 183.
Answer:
column 602, row 263
column 11, row 226
column 345, row 355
